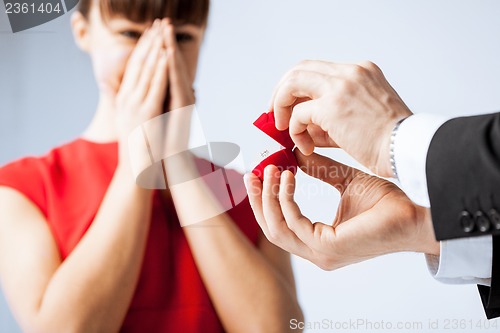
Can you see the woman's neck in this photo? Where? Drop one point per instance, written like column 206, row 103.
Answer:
column 102, row 127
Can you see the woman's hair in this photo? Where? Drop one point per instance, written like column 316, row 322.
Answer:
column 179, row 11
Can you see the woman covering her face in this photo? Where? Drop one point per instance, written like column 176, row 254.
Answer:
column 84, row 249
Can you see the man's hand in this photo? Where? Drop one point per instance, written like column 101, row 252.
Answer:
column 374, row 216
column 351, row 106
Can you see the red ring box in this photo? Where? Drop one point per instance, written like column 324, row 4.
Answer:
column 283, row 159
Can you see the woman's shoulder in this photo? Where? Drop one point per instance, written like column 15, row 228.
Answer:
column 27, row 175
column 30, row 164
column 72, row 152
column 34, row 175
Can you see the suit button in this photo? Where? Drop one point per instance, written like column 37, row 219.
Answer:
column 466, row 221
column 494, row 218
column 482, row 221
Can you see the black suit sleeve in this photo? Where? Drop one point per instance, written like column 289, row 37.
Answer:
column 463, row 180
column 490, row 296
column 463, row 177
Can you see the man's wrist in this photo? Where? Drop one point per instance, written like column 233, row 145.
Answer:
column 426, row 242
column 392, row 145
column 417, row 231
column 385, row 166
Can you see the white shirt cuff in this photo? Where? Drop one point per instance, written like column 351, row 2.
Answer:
column 463, row 261
column 466, row 260
column 411, row 145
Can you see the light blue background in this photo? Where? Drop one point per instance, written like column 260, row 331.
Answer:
column 441, row 56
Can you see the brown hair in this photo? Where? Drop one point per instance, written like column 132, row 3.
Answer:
column 141, row 11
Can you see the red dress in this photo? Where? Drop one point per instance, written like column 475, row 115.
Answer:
column 68, row 185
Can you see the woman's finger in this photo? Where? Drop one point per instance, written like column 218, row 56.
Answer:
column 150, row 67
column 180, row 87
column 168, row 31
column 159, row 82
column 137, row 59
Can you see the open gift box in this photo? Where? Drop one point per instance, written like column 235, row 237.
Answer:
column 283, row 159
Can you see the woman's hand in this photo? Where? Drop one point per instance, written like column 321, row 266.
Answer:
column 144, row 85
column 351, row 106
column 145, row 134
column 181, row 87
column 374, row 216
column 179, row 163
column 182, row 98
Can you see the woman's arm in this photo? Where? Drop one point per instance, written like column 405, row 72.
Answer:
column 252, row 289
column 91, row 290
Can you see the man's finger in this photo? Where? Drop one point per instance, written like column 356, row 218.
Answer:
column 254, row 190
column 330, row 171
column 318, row 66
column 298, row 223
column 302, row 117
column 279, row 233
column 321, row 137
column 298, row 84
column 270, row 204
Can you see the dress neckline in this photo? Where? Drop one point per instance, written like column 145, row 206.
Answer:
column 97, row 143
